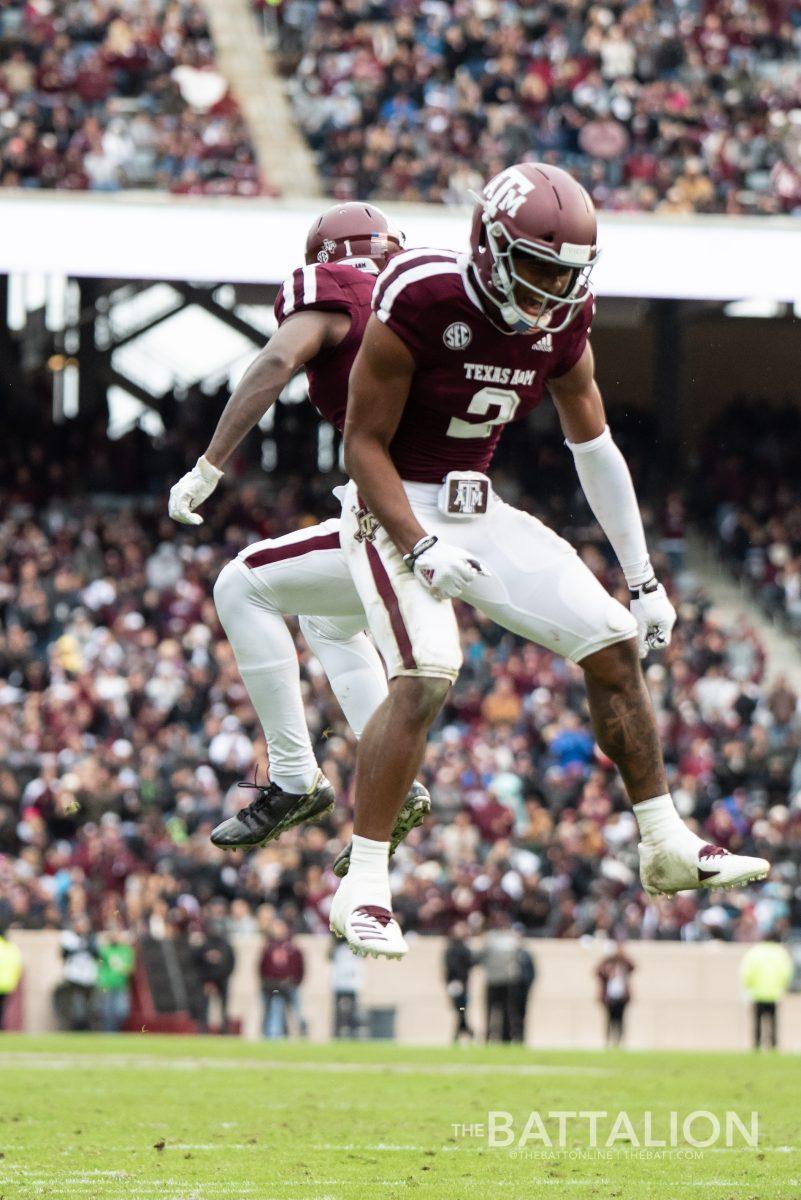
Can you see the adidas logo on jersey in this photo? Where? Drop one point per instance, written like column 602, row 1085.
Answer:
column 545, row 343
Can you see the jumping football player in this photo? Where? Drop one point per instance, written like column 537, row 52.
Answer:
column 322, row 310
column 458, row 347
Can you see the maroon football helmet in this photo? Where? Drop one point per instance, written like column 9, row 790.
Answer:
column 353, row 230
column 533, row 211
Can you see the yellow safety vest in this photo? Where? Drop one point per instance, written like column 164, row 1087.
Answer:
column 766, row 972
column 10, row 966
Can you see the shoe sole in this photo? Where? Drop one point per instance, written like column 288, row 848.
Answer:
column 408, row 820
column 319, row 809
column 709, row 884
column 362, row 951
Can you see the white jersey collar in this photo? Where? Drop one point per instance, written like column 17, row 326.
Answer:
column 464, row 270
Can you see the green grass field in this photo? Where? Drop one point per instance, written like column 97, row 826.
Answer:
column 105, row 1118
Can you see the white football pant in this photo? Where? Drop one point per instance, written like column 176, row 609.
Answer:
column 536, row 586
column 303, row 574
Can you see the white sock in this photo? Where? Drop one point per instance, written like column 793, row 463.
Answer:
column 352, row 664
column 296, row 785
column 658, row 819
column 369, row 872
column 268, row 663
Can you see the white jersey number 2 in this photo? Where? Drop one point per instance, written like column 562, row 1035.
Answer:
column 504, row 399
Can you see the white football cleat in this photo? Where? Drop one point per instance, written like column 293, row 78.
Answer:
column 367, row 928
column 683, row 863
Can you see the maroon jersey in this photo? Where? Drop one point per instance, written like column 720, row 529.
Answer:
column 471, row 378
column 331, row 287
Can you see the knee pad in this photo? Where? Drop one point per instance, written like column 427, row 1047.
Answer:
column 233, row 592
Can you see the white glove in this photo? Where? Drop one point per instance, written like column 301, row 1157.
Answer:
column 192, row 489
column 655, row 616
column 443, row 570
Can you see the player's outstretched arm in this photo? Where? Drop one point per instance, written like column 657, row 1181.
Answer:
column 301, row 337
column 606, row 482
column 377, row 394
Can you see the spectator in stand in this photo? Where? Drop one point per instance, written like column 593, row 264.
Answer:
column 10, row 970
column 214, row 962
column 281, row 971
column 614, row 974
column 122, row 96
column 114, row 970
column 502, row 706
column 459, row 962
column 755, row 511
column 674, row 108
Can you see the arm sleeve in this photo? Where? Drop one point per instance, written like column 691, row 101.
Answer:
column 313, row 288
column 606, row 482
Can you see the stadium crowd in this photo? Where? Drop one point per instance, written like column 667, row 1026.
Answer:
column 753, row 504
column 117, row 94
column 654, row 105
column 125, row 728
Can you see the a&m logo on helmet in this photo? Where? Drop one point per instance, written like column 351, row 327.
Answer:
column 506, row 192
column 457, row 336
column 328, row 249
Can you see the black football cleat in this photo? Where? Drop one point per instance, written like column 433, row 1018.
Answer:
column 272, row 813
column 416, row 808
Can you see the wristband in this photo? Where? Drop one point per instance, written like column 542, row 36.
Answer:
column 208, row 472
column 419, row 548
column 645, row 589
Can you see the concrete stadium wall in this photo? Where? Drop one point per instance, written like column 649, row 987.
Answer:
column 685, row 997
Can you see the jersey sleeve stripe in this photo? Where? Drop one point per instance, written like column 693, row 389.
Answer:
column 406, row 261
column 297, row 287
column 290, row 294
column 309, row 284
column 383, row 304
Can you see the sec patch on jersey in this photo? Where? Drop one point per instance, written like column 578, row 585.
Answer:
column 457, row 336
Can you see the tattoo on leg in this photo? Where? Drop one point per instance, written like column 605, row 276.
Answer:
column 625, row 729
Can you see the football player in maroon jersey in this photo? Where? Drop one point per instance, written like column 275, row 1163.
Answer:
column 322, row 310
column 458, row 347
